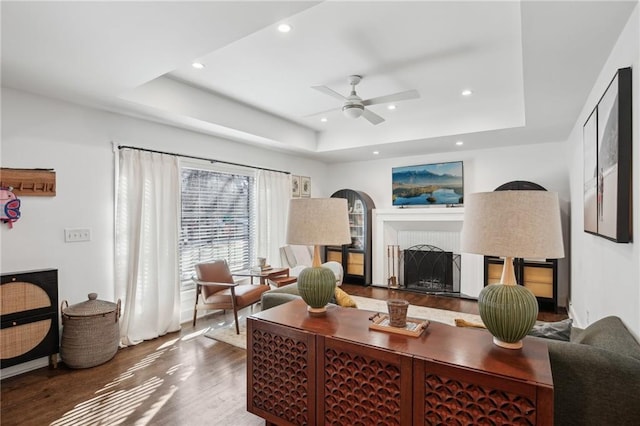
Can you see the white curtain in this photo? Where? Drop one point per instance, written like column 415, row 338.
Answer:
column 147, row 229
column 274, row 192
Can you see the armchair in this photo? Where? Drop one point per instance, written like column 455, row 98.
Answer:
column 215, row 284
column 299, row 257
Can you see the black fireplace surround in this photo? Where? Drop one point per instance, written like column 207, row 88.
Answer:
column 430, row 269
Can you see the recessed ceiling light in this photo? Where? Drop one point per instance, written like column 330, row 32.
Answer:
column 376, row 152
column 197, row 65
column 324, row 119
column 392, row 106
column 284, row 28
column 467, row 92
column 459, row 143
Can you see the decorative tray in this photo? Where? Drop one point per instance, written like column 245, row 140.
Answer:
column 413, row 328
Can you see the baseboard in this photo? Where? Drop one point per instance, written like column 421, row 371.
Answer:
column 24, row 367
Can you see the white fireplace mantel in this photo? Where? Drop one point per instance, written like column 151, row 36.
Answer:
column 388, row 222
column 424, row 218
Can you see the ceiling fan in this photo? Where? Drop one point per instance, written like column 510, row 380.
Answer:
column 354, row 105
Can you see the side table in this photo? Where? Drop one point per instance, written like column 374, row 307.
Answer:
column 280, row 276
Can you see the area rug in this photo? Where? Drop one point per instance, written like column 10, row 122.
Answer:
column 228, row 334
column 419, row 312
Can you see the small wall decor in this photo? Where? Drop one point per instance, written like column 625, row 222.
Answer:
column 9, row 206
column 305, row 186
column 295, row 186
column 32, row 182
column 607, row 162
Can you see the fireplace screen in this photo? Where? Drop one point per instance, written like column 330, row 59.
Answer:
column 431, row 270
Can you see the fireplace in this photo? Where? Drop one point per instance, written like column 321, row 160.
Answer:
column 408, row 227
column 430, row 269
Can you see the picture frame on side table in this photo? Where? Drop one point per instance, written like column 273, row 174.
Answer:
column 295, row 186
column 305, row 186
column 607, row 162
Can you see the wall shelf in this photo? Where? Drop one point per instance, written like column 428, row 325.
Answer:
column 32, row 182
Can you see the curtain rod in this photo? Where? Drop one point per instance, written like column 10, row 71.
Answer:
column 201, row 158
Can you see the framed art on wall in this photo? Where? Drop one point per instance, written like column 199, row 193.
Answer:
column 305, row 186
column 295, row 186
column 590, row 179
column 607, row 162
column 428, row 184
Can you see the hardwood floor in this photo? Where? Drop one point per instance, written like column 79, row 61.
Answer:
column 182, row 379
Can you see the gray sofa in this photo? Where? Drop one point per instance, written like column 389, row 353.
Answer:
column 278, row 296
column 596, row 376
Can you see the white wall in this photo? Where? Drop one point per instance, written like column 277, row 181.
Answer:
column 484, row 170
column 39, row 132
column 605, row 275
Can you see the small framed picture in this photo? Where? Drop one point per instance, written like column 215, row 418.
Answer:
column 305, row 186
column 295, row 186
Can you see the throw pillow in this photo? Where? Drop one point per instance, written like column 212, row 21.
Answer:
column 560, row 330
column 461, row 322
column 343, row 299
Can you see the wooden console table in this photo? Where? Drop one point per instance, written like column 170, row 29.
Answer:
column 334, row 370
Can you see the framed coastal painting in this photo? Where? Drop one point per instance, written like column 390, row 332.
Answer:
column 607, row 162
column 305, row 186
column 295, row 186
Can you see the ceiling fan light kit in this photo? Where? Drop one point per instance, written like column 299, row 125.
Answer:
column 354, row 106
column 353, row 110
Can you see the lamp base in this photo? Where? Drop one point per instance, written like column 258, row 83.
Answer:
column 317, row 312
column 509, row 312
column 507, row 345
column 316, row 286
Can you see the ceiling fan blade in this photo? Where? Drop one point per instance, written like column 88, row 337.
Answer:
column 372, row 117
column 400, row 96
column 330, row 92
column 322, row 112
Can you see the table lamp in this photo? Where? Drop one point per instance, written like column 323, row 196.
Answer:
column 511, row 224
column 317, row 222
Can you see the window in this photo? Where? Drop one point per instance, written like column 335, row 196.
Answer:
column 217, row 220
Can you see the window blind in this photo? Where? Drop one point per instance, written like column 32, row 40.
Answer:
column 216, row 220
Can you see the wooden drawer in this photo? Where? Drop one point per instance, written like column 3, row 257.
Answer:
column 355, row 264
column 335, row 256
column 539, row 281
column 494, row 273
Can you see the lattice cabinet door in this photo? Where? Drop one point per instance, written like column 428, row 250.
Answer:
column 449, row 395
column 29, row 312
column 281, row 373
column 361, row 385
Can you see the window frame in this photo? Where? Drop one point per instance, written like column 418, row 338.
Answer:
column 187, row 283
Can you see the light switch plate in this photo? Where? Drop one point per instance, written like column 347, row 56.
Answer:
column 74, row 235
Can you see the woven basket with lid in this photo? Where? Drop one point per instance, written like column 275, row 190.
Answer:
column 90, row 333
